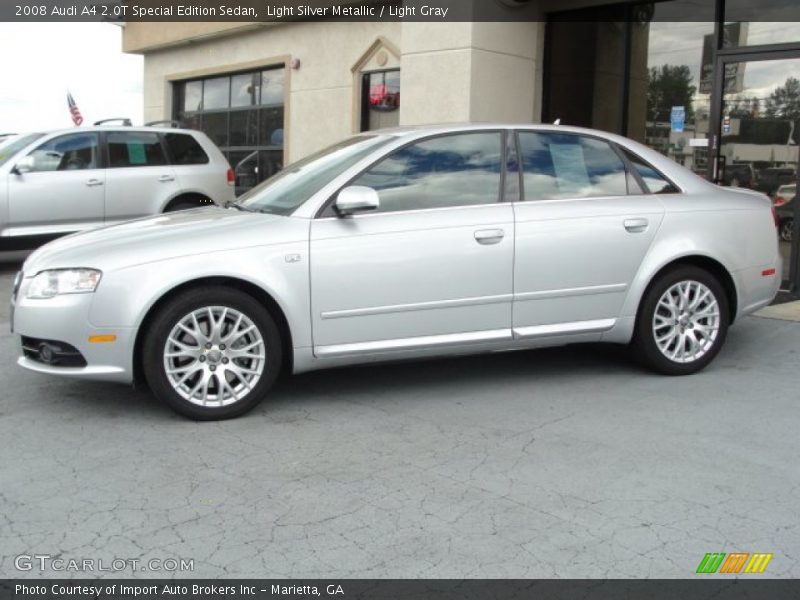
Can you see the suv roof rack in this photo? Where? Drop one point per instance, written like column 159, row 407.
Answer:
column 172, row 123
column 124, row 121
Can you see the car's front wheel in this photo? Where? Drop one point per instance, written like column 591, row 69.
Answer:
column 682, row 322
column 212, row 353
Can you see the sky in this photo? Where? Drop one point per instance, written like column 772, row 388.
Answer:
column 42, row 61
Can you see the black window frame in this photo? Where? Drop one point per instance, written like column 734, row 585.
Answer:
column 328, row 211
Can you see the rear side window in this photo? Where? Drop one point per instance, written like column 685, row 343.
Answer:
column 654, row 181
column 451, row 170
column 134, row 149
column 558, row 165
column 185, row 150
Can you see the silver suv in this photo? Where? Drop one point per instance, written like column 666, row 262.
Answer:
column 71, row 180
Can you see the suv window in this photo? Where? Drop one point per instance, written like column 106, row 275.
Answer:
column 654, row 181
column 72, row 152
column 561, row 165
column 185, row 150
column 451, row 170
column 134, row 149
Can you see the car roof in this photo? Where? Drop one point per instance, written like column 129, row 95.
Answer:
column 115, row 128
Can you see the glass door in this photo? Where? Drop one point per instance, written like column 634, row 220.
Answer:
column 759, row 136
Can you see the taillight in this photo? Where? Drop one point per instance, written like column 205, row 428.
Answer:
column 779, row 201
column 775, row 216
column 231, row 177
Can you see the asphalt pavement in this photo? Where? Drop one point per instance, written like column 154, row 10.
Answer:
column 570, row 462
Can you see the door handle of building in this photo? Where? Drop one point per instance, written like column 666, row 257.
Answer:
column 489, row 236
column 165, row 178
column 94, row 182
column 635, row 225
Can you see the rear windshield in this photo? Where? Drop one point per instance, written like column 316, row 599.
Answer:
column 10, row 147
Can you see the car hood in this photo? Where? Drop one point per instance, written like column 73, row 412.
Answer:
column 171, row 235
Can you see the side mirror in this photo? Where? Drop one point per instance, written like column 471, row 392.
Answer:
column 356, row 199
column 24, row 165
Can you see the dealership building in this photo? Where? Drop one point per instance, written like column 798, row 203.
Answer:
column 713, row 84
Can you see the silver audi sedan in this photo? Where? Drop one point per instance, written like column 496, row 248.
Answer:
column 402, row 244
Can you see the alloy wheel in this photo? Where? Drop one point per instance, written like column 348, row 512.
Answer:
column 214, row 356
column 686, row 321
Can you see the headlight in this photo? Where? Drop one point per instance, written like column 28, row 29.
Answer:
column 63, row 281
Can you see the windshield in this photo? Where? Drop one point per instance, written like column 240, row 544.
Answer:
column 12, row 145
column 288, row 189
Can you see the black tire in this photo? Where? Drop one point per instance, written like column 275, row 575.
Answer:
column 166, row 321
column 644, row 345
column 186, row 205
column 786, row 229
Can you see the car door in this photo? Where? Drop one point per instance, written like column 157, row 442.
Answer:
column 431, row 267
column 140, row 180
column 582, row 230
column 63, row 190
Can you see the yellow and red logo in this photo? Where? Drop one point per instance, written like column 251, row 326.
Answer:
column 733, row 563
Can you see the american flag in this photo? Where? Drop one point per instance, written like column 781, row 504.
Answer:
column 74, row 111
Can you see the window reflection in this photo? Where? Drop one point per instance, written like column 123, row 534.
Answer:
column 242, row 114
column 453, row 170
column 570, row 166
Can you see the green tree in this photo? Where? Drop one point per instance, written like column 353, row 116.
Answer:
column 784, row 101
column 668, row 86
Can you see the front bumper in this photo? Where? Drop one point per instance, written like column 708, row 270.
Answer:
column 65, row 319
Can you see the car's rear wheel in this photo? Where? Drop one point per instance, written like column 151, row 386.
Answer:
column 682, row 322
column 212, row 353
column 786, row 229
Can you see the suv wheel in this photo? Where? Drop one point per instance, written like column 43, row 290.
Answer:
column 212, row 353
column 786, row 228
column 682, row 322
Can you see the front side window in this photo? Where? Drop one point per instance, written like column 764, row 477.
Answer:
column 135, row 149
column 73, row 152
column 452, row 170
column 558, row 165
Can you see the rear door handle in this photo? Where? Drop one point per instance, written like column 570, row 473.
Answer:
column 489, row 236
column 166, row 178
column 636, row 225
column 94, row 182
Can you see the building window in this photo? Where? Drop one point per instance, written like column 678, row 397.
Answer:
column 380, row 100
column 243, row 114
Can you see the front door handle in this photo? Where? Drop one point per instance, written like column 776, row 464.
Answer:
column 636, row 225
column 94, row 182
column 489, row 236
column 165, row 178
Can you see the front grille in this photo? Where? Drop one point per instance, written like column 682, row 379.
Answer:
column 52, row 352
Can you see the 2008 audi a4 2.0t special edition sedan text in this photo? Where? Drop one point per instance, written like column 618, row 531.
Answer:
column 402, row 244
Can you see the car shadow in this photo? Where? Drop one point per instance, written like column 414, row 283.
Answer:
column 431, row 377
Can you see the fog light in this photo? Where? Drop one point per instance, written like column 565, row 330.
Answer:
column 46, row 352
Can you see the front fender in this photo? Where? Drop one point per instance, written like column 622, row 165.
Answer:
column 125, row 296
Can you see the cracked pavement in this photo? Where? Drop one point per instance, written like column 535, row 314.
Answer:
column 569, row 462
